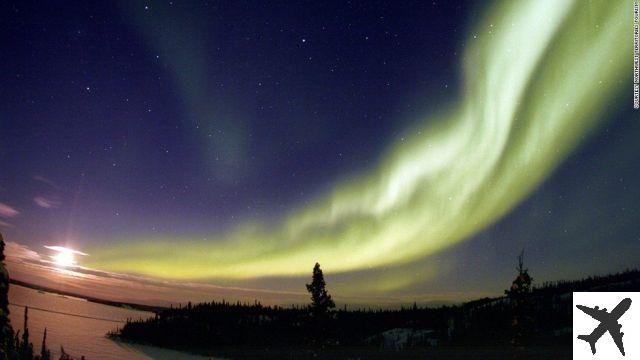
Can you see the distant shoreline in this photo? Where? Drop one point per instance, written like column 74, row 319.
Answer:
column 127, row 305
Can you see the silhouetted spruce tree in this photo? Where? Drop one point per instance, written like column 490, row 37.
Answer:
column 45, row 354
column 16, row 340
column 26, row 348
column 321, row 301
column 6, row 331
column 64, row 355
column 519, row 297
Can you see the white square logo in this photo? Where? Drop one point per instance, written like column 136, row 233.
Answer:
column 606, row 325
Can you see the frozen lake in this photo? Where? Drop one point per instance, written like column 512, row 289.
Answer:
column 79, row 325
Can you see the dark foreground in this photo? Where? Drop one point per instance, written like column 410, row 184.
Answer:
column 356, row 352
column 531, row 324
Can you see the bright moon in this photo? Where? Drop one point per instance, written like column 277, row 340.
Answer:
column 64, row 256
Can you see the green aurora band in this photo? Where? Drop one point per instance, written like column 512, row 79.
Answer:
column 538, row 77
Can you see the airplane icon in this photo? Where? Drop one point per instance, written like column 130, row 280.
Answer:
column 608, row 322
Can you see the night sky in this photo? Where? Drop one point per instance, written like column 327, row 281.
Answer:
column 412, row 148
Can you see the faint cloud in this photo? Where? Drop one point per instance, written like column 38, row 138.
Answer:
column 46, row 203
column 46, row 181
column 7, row 211
column 5, row 224
column 20, row 252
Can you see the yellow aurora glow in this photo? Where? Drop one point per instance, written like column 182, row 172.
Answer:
column 538, row 74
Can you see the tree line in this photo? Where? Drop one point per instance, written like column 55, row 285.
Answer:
column 525, row 315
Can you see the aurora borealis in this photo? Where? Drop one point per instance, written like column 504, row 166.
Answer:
column 538, row 82
column 449, row 180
